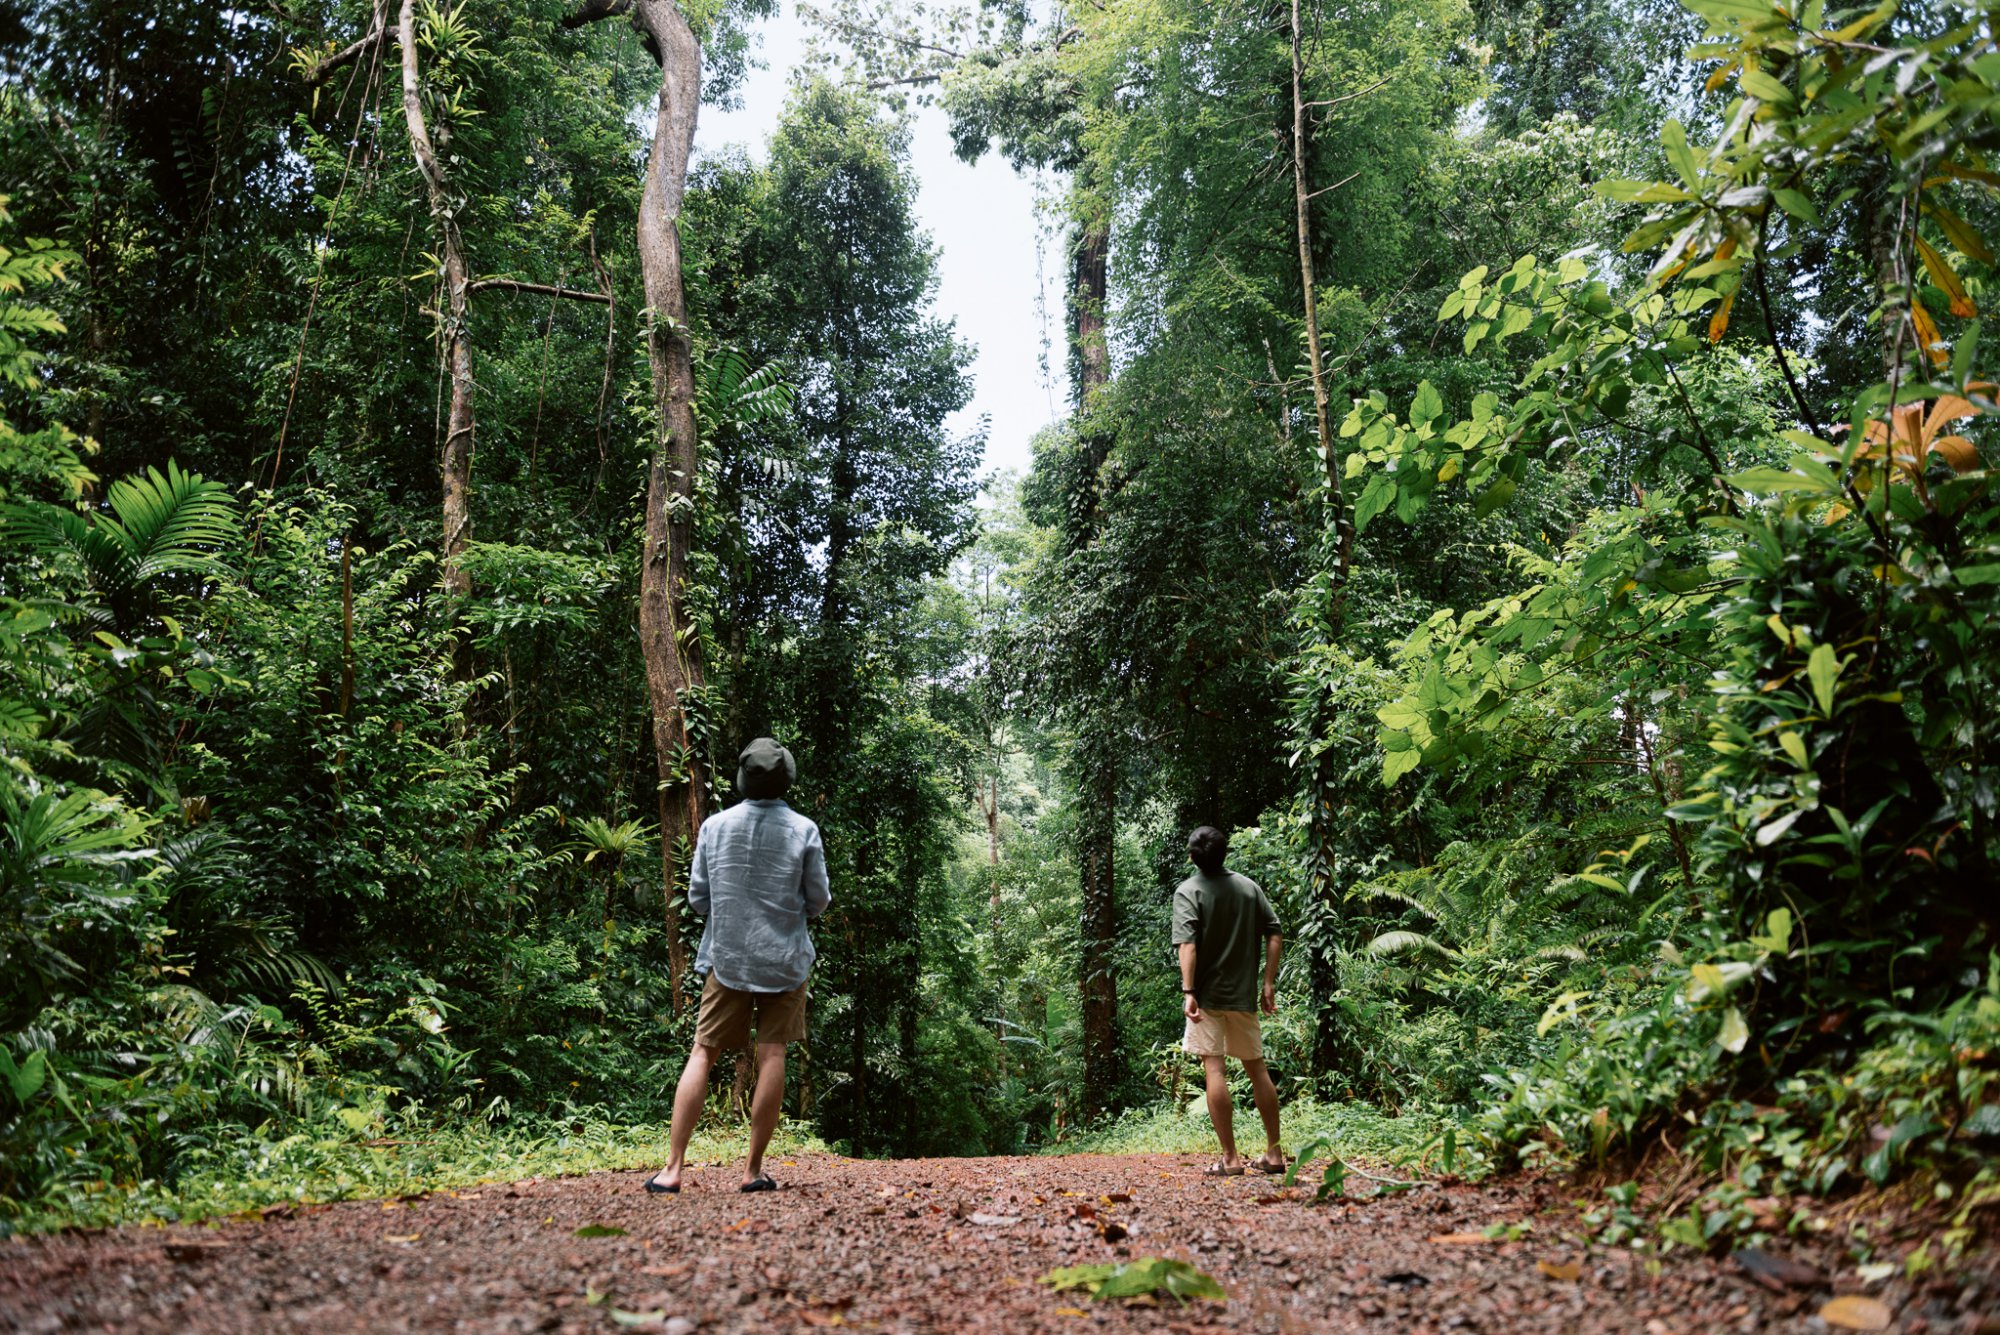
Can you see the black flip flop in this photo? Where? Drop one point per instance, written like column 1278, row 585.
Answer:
column 762, row 1182
column 654, row 1187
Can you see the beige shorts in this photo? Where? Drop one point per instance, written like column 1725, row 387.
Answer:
column 1225, row 1034
column 726, row 1016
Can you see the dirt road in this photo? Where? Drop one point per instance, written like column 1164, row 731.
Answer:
column 907, row 1246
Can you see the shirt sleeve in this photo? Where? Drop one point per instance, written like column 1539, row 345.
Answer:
column 1265, row 915
column 698, row 873
column 1187, row 916
column 812, row 875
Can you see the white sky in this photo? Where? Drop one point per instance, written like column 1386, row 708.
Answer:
column 984, row 223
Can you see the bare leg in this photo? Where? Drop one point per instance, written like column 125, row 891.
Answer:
column 689, row 1096
column 1221, row 1110
column 765, row 1105
column 1266, row 1095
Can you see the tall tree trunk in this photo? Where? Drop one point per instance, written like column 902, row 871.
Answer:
column 1095, row 754
column 1329, row 1048
column 667, row 635
column 456, row 464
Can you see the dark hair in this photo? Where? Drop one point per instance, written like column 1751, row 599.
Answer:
column 1206, row 847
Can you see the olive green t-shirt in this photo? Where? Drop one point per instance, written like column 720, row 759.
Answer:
column 1228, row 919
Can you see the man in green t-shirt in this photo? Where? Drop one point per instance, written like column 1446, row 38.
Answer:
column 1223, row 926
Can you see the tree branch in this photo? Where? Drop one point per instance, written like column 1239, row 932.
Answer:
column 320, row 71
column 538, row 289
column 1346, row 97
column 590, row 11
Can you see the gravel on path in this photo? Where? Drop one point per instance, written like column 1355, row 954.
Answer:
column 929, row 1245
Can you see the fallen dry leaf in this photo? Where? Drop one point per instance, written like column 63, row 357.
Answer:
column 994, row 1220
column 401, row 1237
column 194, row 1251
column 1854, row 1311
column 1461, row 1237
column 1564, row 1270
column 1778, row 1272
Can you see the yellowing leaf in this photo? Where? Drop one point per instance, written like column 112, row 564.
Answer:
column 1856, row 1311
column 1569, row 1271
column 1928, row 337
column 1719, row 322
column 1961, row 235
column 1956, row 451
column 1717, row 79
column 1941, row 274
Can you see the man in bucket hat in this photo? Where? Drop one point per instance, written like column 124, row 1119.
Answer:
column 759, row 874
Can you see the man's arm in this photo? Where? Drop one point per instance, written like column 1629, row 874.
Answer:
column 812, row 877
column 698, row 874
column 1189, row 1006
column 1274, row 946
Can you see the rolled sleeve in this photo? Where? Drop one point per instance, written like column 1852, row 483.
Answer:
column 812, row 876
column 698, row 874
column 1267, row 917
column 1187, row 917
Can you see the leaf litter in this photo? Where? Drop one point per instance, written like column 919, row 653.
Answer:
column 584, row 1255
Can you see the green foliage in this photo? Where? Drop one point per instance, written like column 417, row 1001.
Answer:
column 1142, row 1277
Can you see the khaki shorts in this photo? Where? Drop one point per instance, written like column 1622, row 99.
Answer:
column 1225, row 1034
column 726, row 1016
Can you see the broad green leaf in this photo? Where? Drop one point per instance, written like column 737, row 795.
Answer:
column 1495, row 496
column 1767, row 481
column 1683, row 158
column 1374, row 499
column 1428, row 406
column 1763, row 87
column 1395, row 764
column 1743, row 11
column 1798, row 205
column 1795, row 746
column 1986, row 574
column 1641, row 192
column 1823, row 670
column 1777, row 935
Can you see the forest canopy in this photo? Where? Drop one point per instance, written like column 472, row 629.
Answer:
column 1526, row 474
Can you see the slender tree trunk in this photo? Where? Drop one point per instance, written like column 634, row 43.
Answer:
column 1336, row 506
column 1095, row 755
column 456, row 464
column 667, row 635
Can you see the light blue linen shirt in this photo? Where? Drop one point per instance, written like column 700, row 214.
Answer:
column 759, row 873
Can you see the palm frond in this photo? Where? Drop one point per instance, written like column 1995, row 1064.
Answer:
column 1405, row 943
column 172, row 521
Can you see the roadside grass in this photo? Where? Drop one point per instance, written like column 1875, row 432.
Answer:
column 252, row 1172
column 1357, row 1131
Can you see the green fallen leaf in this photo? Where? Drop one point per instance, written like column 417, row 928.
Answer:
column 599, row 1231
column 1137, row 1278
column 653, row 1318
